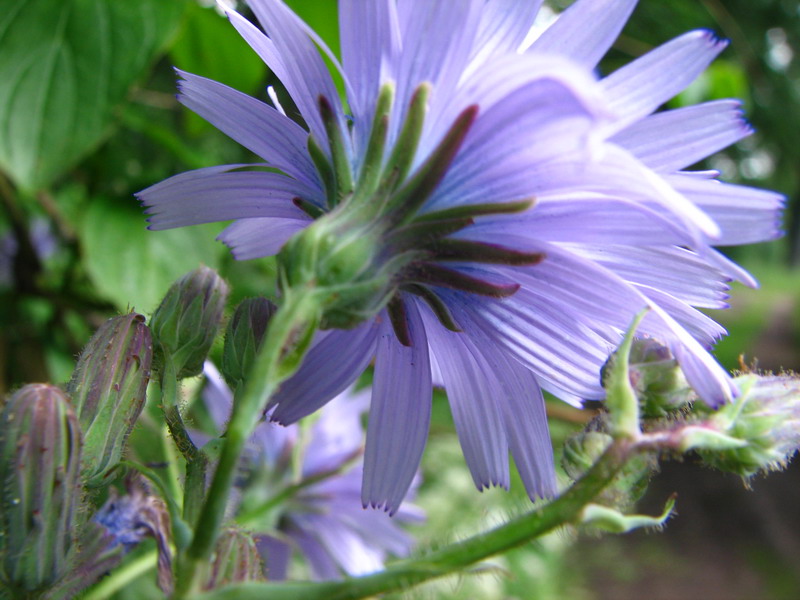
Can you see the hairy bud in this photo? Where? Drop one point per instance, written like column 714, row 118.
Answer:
column 186, row 322
column 766, row 418
column 657, row 379
column 108, row 390
column 583, row 449
column 236, row 559
column 40, row 447
column 243, row 338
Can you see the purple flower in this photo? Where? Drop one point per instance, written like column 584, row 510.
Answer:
column 426, row 188
column 323, row 517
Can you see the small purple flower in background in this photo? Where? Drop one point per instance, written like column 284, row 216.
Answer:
column 515, row 210
column 322, row 518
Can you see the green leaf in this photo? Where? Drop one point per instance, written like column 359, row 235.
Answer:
column 134, row 267
column 66, row 65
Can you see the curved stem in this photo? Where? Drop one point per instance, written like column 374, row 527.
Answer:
column 564, row 510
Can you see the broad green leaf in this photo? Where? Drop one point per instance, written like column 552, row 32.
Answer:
column 65, row 65
column 208, row 45
column 134, row 267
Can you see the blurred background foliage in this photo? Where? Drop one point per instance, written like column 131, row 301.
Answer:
column 88, row 116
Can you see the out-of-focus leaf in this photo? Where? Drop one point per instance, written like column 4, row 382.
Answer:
column 722, row 79
column 209, row 46
column 134, row 267
column 322, row 16
column 65, row 65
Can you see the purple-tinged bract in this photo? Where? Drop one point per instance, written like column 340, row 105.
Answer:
column 492, row 215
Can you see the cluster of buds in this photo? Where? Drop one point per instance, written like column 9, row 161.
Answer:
column 52, row 443
column 758, row 431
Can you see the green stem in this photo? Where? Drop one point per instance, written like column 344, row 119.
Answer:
column 195, row 486
column 288, row 337
column 251, row 518
column 172, row 413
column 196, row 459
column 122, row 576
column 564, row 510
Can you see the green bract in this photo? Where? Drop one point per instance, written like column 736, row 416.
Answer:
column 40, row 448
column 108, row 390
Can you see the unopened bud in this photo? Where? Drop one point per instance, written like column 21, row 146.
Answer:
column 583, row 449
column 40, row 446
column 657, row 379
column 767, row 417
column 186, row 322
column 243, row 337
column 108, row 390
column 236, row 559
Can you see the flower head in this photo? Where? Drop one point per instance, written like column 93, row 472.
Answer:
column 493, row 215
column 321, row 516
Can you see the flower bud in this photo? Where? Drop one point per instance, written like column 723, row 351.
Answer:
column 583, row 449
column 243, row 337
column 186, row 322
column 108, row 391
column 767, row 417
column 40, row 447
column 236, row 559
column 657, row 379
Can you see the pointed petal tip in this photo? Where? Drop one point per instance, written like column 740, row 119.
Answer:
column 383, row 505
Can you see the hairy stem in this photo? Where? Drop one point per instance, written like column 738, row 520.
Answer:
column 287, row 339
column 564, row 510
